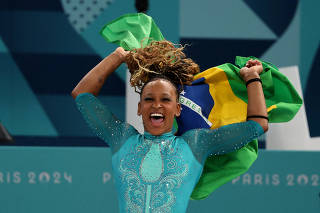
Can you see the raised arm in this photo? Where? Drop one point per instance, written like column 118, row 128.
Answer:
column 229, row 138
column 102, row 122
column 256, row 102
column 93, row 81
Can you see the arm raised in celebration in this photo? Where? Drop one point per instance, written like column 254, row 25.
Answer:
column 93, row 81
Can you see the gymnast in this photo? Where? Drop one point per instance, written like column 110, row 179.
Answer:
column 157, row 171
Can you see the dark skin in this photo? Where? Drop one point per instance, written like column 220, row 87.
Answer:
column 160, row 90
column 158, row 100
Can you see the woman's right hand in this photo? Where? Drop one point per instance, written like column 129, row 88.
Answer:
column 121, row 53
column 93, row 81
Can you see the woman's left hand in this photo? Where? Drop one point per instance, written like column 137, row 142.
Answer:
column 252, row 69
column 256, row 103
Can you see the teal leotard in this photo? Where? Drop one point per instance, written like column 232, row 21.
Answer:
column 158, row 173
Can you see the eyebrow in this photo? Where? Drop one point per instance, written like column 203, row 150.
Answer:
column 165, row 94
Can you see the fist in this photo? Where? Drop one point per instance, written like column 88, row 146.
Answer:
column 252, row 69
column 121, row 53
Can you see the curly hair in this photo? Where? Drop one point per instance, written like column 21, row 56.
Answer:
column 160, row 58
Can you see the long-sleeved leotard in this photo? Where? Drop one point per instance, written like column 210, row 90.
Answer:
column 158, row 173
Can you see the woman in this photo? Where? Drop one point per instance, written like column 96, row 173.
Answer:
column 157, row 171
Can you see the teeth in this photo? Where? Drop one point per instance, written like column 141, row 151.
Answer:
column 156, row 115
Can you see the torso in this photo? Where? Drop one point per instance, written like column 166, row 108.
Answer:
column 155, row 174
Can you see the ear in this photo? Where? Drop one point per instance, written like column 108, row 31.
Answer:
column 139, row 109
column 178, row 112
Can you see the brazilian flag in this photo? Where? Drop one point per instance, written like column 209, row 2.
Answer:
column 217, row 97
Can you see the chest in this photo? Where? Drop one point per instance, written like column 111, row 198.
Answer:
column 153, row 160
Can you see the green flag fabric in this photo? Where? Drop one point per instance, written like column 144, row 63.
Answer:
column 134, row 30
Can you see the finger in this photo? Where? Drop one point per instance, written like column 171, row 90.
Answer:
column 249, row 64
column 253, row 62
column 256, row 62
column 244, row 69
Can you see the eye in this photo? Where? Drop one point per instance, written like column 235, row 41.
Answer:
column 148, row 99
column 166, row 99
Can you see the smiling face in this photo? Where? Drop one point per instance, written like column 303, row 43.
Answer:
column 158, row 106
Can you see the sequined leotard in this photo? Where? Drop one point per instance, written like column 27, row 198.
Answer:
column 158, row 173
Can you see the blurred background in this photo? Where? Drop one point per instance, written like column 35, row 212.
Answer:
column 51, row 162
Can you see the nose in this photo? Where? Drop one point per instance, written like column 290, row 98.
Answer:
column 156, row 104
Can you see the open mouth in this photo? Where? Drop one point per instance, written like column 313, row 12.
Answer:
column 156, row 119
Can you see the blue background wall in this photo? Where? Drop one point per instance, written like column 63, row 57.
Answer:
column 47, row 46
column 45, row 49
